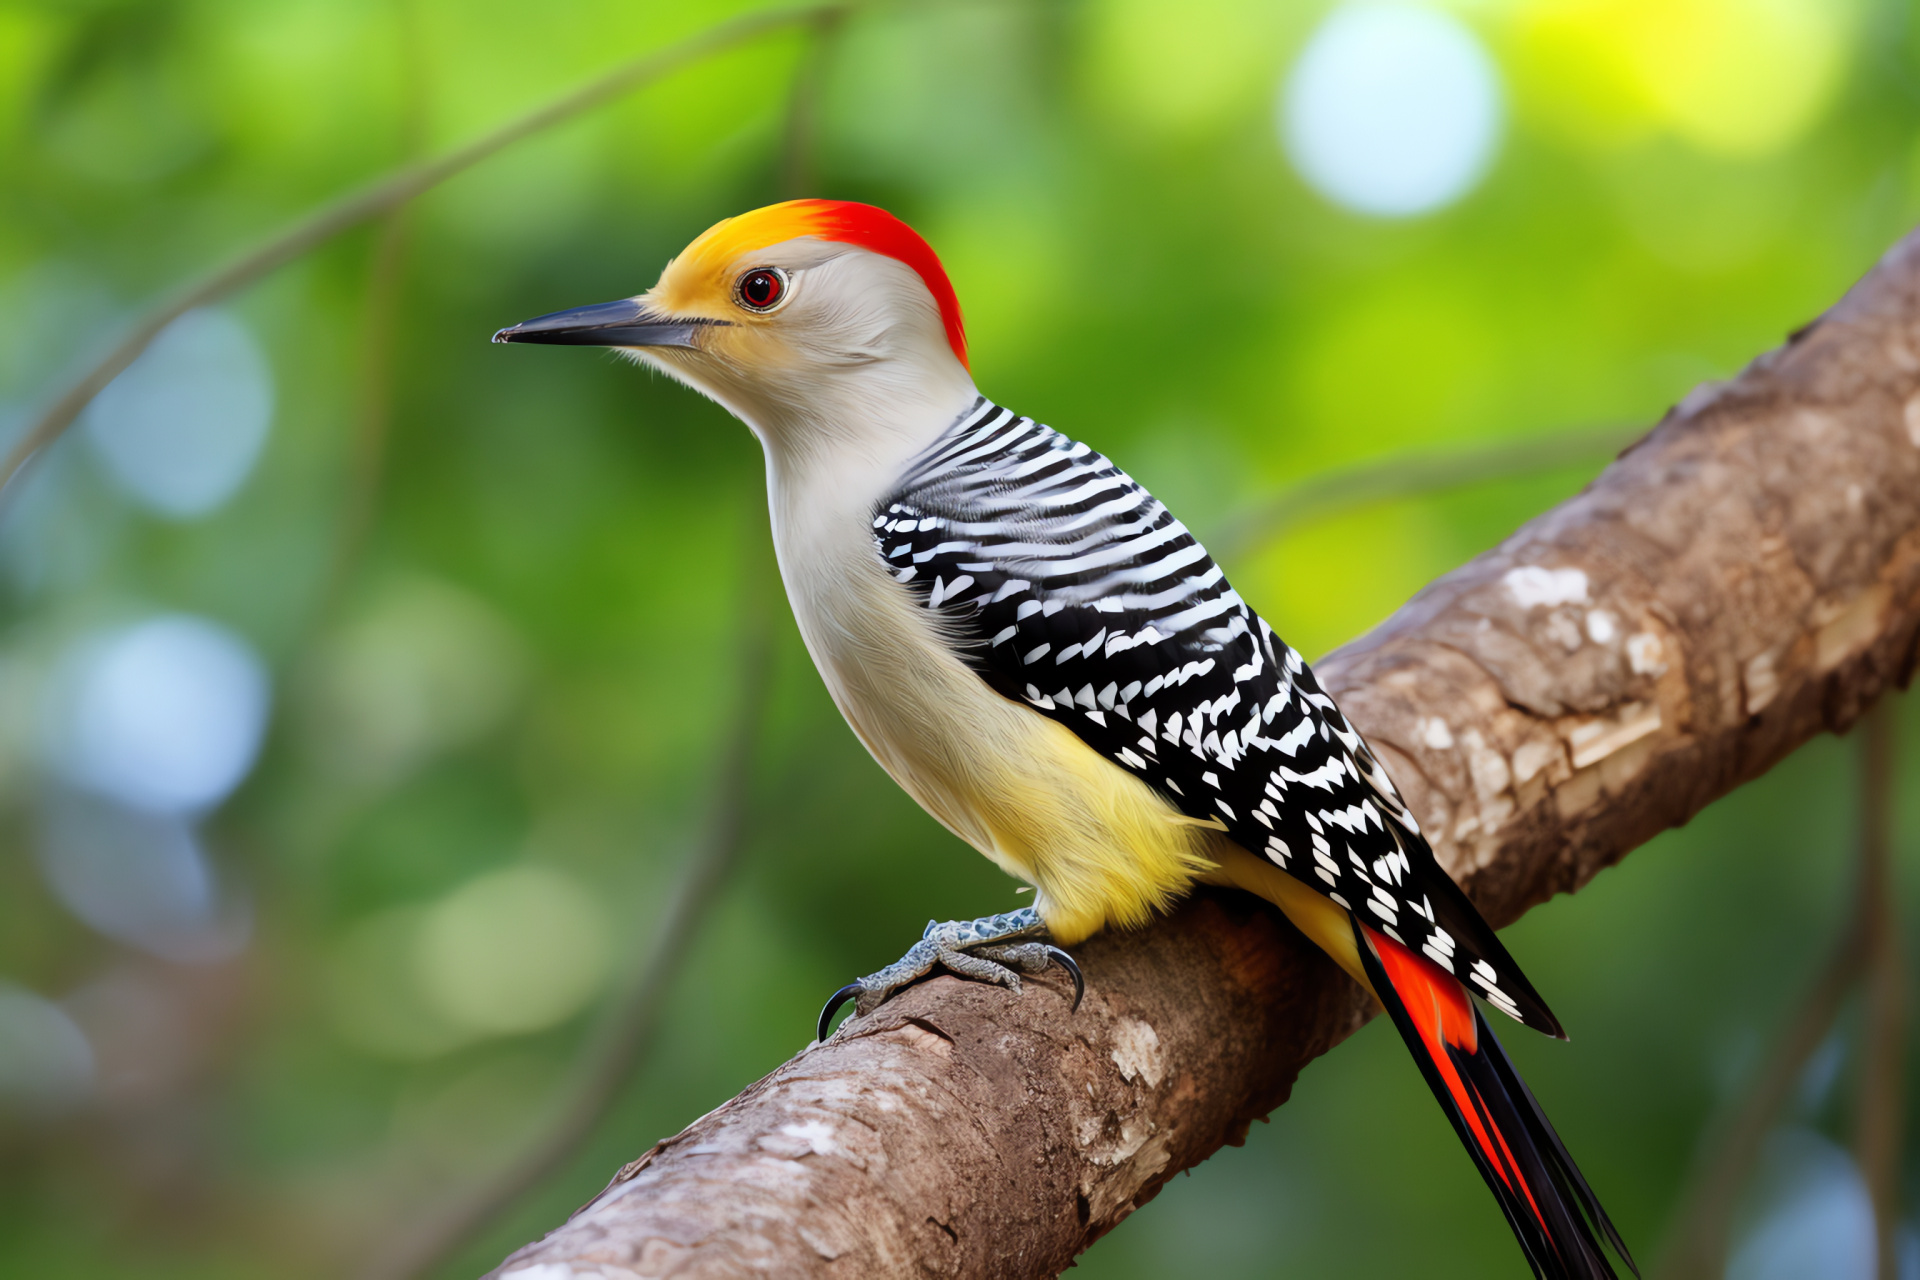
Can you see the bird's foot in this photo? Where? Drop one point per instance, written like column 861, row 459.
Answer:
column 991, row 949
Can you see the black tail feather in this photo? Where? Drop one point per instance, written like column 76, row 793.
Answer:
column 1560, row 1160
column 1552, row 1210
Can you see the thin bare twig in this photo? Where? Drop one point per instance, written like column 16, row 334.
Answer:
column 799, row 144
column 626, row 1031
column 1704, row 1218
column 1880, row 1112
column 1406, row 474
column 381, row 195
column 366, row 460
column 608, row 1061
column 1867, row 946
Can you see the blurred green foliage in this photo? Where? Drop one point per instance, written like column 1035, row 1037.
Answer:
column 488, row 752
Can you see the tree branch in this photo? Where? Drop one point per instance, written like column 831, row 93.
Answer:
column 626, row 1031
column 1746, row 577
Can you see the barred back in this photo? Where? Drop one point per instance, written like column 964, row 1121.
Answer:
column 1068, row 587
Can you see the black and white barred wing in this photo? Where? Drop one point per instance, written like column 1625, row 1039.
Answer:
column 1070, row 588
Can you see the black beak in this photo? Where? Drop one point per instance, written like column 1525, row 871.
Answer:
column 625, row 323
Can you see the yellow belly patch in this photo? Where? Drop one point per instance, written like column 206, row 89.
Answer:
column 1100, row 846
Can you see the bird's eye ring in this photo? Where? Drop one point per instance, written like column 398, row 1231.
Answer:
column 761, row 289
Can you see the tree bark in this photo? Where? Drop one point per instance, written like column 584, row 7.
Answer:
column 1745, row 577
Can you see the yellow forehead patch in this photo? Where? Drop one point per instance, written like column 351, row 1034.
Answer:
column 703, row 264
column 722, row 244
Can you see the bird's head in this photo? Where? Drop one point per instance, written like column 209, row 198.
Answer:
column 800, row 318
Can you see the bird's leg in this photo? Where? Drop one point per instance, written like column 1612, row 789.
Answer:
column 991, row 949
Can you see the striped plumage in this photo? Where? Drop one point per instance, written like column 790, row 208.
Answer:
column 1070, row 588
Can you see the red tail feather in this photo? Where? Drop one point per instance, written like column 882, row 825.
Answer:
column 1547, row 1202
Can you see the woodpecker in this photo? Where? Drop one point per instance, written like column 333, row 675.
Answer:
column 1049, row 662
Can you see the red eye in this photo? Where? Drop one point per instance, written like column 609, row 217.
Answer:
column 762, row 289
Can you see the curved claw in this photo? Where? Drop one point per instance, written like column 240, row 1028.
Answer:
column 834, row 1002
column 1072, row 967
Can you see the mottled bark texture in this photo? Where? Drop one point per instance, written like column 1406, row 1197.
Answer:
column 1744, row 578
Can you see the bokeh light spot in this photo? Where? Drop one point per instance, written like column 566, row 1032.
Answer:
column 181, row 428
column 514, row 951
column 426, row 668
column 140, row 878
column 1173, row 71
column 165, row 715
column 1392, row 110
column 1736, row 79
column 46, row 1063
column 372, row 997
column 1818, row 1219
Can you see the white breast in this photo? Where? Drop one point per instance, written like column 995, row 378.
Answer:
column 1100, row 845
column 929, row 721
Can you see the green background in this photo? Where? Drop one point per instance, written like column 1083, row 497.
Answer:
column 551, row 571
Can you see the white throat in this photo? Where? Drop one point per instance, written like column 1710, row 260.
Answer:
column 851, row 381
column 825, row 481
